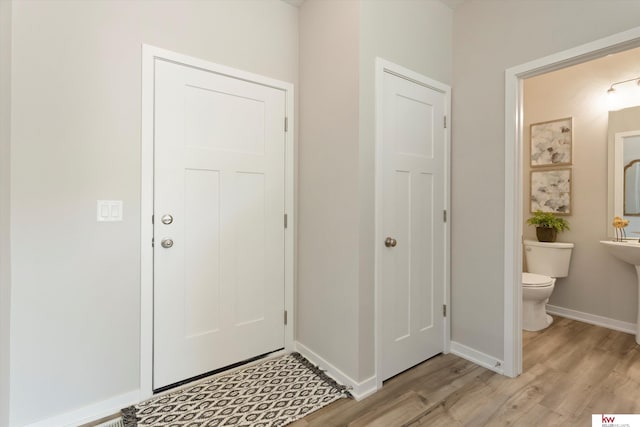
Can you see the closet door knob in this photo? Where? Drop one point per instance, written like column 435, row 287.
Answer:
column 390, row 242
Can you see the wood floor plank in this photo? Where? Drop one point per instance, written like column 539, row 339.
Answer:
column 590, row 371
column 437, row 416
column 536, row 415
column 617, row 342
column 571, row 370
column 628, row 365
column 436, row 393
column 474, row 403
column 434, row 375
column 396, row 412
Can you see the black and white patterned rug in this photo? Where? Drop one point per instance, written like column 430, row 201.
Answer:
column 272, row 393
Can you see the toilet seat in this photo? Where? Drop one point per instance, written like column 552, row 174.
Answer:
column 536, row 280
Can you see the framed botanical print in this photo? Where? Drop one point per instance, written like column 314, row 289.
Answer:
column 552, row 143
column 551, row 191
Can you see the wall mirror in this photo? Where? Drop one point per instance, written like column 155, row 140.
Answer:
column 624, row 169
column 631, row 198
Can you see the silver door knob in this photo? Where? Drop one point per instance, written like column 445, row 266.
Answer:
column 166, row 243
column 166, row 219
column 390, row 242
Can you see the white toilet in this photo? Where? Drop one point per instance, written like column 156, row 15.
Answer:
column 545, row 263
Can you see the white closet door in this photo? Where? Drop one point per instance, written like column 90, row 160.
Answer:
column 413, row 205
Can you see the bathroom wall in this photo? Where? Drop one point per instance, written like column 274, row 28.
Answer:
column 598, row 283
column 490, row 36
column 76, row 139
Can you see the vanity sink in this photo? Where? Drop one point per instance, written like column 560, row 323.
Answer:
column 627, row 251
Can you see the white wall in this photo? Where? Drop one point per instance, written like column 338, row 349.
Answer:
column 336, row 169
column 489, row 37
column 76, row 139
column 5, row 164
column 327, row 298
column 598, row 283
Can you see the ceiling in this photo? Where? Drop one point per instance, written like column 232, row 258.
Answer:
column 451, row 3
column 296, row 3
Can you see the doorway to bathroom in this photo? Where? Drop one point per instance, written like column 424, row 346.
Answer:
column 515, row 195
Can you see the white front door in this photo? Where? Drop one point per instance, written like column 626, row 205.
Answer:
column 219, row 177
column 413, row 202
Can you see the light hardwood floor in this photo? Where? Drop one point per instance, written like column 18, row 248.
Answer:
column 571, row 370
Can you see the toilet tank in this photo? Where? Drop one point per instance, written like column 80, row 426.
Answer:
column 550, row 259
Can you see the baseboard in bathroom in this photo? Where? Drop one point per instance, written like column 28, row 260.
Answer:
column 616, row 325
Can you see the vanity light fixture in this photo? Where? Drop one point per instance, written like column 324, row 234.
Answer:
column 623, row 97
column 612, row 89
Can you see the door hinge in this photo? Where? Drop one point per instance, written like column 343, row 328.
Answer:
column 444, row 215
column 153, row 242
column 285, row 317
column 444, row 310
column 285, row 220
column 153, row 218
column 445, row 122
column 286, row 124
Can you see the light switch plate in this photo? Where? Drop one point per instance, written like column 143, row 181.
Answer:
column 109, row 210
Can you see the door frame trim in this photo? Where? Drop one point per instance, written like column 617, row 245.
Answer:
column 513, row 191
column 382, row 66
column 149, row 55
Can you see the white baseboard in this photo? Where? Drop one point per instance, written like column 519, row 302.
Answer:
column 616, row 325
column 477, row 357
column 91, row 412
column 359, row 390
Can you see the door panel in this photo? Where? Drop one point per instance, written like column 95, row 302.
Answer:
column 413, row 202
column 211, row 114
column 219, row 171
column 415, row 119
column 250, row 246
column 201, row 254
column 401, row 321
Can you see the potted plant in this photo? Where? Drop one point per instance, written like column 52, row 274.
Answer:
column 547, row 225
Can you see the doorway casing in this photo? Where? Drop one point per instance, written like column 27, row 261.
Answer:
column 513, row 150
column 149, row 55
